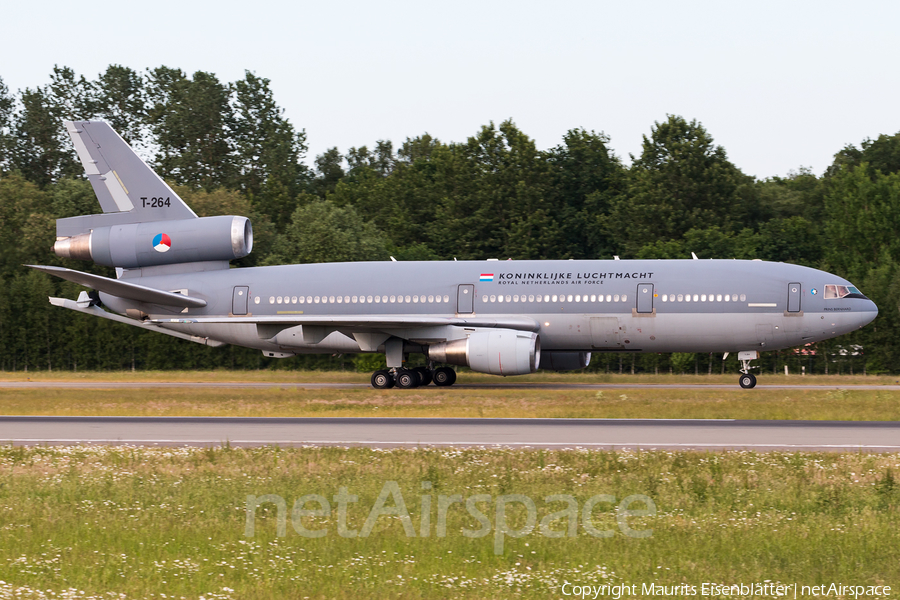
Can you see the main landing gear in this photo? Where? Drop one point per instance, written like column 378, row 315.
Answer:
column 410, row 378
column 747, row 379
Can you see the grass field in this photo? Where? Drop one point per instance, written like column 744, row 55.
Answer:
column 154, row 523
column 295, row 401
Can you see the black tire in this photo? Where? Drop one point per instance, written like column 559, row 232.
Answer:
column 382, row 380
column 406, row 379
column 748, row 381
column 424, row 374
column 444, row 376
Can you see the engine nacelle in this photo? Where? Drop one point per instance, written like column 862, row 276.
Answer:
column 161, row 242
column 494, row 351
column 565, row 361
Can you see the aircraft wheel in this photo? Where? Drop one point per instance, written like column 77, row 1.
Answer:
column 424, row 374
column 444, row 376
column 748, row 381
column 406, row 379
column 382, row 380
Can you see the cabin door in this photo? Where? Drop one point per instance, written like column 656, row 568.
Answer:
column 645, row 298
column 239, row 300
column 465, row 298
column 794, row 297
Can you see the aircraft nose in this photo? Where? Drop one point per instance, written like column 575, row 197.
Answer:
column 866, row 314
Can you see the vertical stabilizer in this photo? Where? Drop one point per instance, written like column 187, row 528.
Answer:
column 122, row 181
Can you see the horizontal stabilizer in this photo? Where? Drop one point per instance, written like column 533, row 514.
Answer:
column 123, row 289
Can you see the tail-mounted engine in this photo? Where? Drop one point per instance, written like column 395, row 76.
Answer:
column 154, row 243
column 494, row 351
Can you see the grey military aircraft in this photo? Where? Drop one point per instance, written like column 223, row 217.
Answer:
column 499, row 317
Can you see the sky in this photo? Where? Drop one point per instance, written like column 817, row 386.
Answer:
column 780, row 85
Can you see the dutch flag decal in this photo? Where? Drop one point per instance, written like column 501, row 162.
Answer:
column 162, row 242
column 487, row 277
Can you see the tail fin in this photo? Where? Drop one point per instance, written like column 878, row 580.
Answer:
column 128, row 190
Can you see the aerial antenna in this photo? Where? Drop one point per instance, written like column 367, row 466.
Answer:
column 393, row 259
column 615, row 257
column 694, row 256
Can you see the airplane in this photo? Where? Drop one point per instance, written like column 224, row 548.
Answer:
column 501, row 317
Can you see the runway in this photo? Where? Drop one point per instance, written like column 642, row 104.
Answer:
column 462, row 385
column 646, row 434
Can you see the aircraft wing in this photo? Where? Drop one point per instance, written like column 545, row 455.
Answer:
column 83, row 305
column 365, row 322
column 369, row 331
column 123, row 289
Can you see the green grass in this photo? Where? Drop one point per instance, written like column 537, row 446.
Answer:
column 295, row 401
column 145, row 522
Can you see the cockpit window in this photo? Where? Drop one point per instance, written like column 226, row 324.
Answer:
column 833, row 292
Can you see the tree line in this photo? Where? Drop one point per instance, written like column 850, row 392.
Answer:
column 228, row 149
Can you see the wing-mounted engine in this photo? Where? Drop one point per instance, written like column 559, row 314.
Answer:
column 133, row 245
column 494, row 351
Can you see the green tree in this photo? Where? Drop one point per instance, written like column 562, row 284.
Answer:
column 7, row 108
column 586, row 178
column 862, row 217
column 681, row 181
column 329, row 171
column 121, row 101
column 269, row 150
column 881, row 154
column 42, row 151
column 192, row 123
column 321, row 231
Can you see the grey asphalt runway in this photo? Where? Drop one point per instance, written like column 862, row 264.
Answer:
column 867, row 436
column 483, row 386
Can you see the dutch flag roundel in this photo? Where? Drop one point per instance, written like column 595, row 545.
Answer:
column 162, row 242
